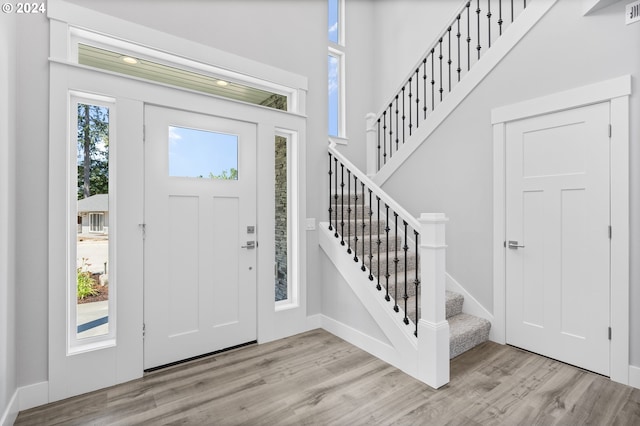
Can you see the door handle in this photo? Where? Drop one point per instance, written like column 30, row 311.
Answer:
column 513, row 245
column 250, row 245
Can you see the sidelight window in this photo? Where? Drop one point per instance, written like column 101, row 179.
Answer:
column 91, row 302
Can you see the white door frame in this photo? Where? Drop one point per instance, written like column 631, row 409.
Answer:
column 617, row 92
column 123, row 361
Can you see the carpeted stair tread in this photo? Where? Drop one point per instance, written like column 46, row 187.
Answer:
column 351, row 226
column 453, row 304
column 466, row 331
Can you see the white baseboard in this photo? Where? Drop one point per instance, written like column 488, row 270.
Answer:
column 634, row 376
column 33, row 395
column 314, row 321
column 365, row 342
column 11, row 412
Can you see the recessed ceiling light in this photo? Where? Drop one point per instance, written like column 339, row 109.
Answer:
column 222, row 83
column 129, row 60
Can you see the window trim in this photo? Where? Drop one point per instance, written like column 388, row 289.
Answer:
column 340, row 57
column 77, row 345
column 81, row 36
column 337, row 50
column 293, row 221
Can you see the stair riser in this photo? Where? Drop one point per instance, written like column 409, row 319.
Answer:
column 350, row 198
column 350, row 228
column 337, row 213
column 373, row 247
column 410, row 265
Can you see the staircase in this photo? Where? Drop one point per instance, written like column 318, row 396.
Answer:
column 366, row 239
column 394, row 262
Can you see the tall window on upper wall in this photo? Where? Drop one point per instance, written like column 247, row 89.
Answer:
column 336, row 124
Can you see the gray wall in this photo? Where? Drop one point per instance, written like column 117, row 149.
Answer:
column 32, row 157
column 452, row 172
column 8, row 363
column 404, row 30
column 248, row 28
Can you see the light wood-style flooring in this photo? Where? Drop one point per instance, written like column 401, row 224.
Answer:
column 316, row 378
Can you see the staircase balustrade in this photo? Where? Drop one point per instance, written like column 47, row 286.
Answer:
column 444, row 65
column 394, row 231
column 410, row 276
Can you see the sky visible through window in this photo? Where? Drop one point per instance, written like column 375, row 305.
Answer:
column 333, row 95
column 333, row 21
column 201, row 153
column 334, row 69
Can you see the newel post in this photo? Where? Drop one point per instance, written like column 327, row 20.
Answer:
column 372, row 145
column 433, row 328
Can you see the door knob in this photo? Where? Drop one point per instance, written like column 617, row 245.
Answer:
column 513, row 245
column 250, row 245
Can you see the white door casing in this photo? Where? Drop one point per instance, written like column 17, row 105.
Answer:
column 557, row 222
column 616, row 91
column 200, row 283
column 124, row 360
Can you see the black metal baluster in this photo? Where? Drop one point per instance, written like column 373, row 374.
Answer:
column 405, row 248
column 500, row 21
column 391, row 130
column 489, row 20
column 336, row 197
column 410, row 95
column 378, row 242
column 478, row 13
column 330, row 195
column 433, row 80
column 468, row 36
column 525, row 4
column 512, row 11
column 384, row 133
column 355, row 216
column 342, row 205
column 449, row 61
column 458, row 36
column 348, row 211
column 379, row 147
column 370, row 238
column 440, row 57
column 386, row 273
column 397, row 121
column 424, row 86
column 363, row 268
column 416, row 282
column 395, row 262
column 417, row 97
column 403, row 117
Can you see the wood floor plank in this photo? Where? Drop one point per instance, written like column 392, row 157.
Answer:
column 316, row 378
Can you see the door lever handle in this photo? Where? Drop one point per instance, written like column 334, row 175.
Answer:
column 250, row 245
column 513, row 245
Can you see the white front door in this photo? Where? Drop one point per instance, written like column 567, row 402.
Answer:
column 200, row 216
column 557, row 230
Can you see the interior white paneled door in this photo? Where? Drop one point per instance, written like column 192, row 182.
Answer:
column 557, row 230
column 199, row 271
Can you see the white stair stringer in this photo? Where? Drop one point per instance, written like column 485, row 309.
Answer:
column 404, row 352
column 527, row 19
